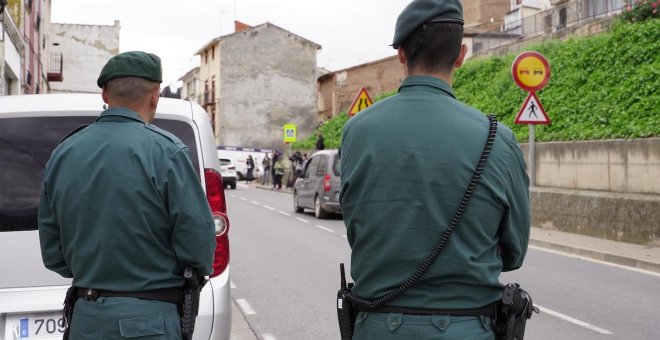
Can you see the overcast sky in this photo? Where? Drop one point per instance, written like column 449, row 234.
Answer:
column 350, row 32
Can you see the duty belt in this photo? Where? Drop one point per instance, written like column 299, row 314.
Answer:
column 489, row 310
column 172, row 295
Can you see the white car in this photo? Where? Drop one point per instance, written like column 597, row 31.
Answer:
column 228, row 172
column 31, row 126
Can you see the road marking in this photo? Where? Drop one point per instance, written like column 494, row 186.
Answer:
column 579, row 257
column 231, row 284
column 575, row 321
column 242, row 198
column 269, row 207
column 232, row 195
column 245, row 307
column 268, row 337
column 255, row 202
column 344, row 236
column 324, row 228
column 302, row 220
column 283, row 213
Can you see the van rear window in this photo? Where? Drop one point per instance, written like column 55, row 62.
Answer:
column 25, row 147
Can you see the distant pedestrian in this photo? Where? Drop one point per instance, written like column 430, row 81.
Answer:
column 279, row 172
column 320, row 143
column 250, row 168
column 265, row 163
column 272, row 168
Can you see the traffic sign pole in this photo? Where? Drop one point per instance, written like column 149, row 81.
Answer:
column 532, row 155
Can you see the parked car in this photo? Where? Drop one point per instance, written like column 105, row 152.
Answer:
column 31, row 126
column 228, row 172
column 318, row 187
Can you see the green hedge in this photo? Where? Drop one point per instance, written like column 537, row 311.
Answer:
column 601, row 87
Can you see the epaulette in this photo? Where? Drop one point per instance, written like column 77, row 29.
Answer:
column 78, row 129
column 165, row 134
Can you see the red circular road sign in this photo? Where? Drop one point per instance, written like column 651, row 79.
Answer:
column 530, row 71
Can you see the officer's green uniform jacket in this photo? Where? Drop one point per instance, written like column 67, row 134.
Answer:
column 406, row 162
column 122, row 208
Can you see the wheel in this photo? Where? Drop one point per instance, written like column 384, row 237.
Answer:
column 233, row 186
column 296, row 207
column 319, row 212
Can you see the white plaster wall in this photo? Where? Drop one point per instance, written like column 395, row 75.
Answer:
column 85, row 49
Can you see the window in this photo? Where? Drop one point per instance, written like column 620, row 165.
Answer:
column 336, row 166
column 25, row 147
column 312, row 167
column 323, row 164
column 212, row 53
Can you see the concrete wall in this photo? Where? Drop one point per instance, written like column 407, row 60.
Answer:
column 267, row 79
column 85, row 49
column 617, row 166
column 608, row 189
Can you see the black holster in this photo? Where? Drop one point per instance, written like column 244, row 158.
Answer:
column 189, row 305
column 346, row 311
column 513, row 311
column 69, row 302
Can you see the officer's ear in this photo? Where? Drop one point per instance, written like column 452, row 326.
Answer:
column 461, row 56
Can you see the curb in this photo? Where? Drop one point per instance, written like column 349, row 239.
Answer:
column 598, row 255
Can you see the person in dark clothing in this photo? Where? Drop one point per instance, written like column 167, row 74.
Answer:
column 320, row 143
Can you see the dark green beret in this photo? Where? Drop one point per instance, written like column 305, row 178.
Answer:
column 419, row 12
column 132, row 64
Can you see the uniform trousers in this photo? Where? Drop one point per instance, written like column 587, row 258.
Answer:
column 397, row 326
column 110, row 318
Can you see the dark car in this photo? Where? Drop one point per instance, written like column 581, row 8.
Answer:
column 318, row 186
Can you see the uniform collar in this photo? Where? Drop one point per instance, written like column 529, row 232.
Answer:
column 121, row 112
column 435, row 83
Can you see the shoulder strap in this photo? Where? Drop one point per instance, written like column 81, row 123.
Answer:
column 440, row 244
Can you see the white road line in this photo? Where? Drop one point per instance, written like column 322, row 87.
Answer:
column 268, row 337
column 302, row 220
column 575, row 321
column 579, row 257
column 232, row 195
column 284, row 213
column 344, row 236
column 245, row 307
column 269, row 207
column 232, row 285
column 324, row 228
column 255, row 202
column 242, row 198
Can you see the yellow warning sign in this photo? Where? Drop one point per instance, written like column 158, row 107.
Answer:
column 289, row 133
column 361, row 102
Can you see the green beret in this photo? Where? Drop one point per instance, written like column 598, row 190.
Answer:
column 132, row 64
column 419, row 12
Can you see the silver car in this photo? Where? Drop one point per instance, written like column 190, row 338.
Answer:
column 31, row 126
column 318, row 186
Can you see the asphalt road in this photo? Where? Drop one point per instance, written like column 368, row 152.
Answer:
column 285, row 273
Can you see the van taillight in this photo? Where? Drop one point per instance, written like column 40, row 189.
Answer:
column 215, row 193
column 326, row 182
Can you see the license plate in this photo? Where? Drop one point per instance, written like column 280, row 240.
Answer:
column 34, row 326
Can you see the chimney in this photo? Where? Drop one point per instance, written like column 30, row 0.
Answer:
column 239, row 26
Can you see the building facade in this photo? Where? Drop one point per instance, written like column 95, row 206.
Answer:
column 12, row 46
column 256, row 80
column 85, row 49
column 191, row 88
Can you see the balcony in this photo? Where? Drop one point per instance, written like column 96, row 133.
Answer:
column 56, row 66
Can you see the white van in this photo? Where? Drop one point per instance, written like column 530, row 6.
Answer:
column 30, row 128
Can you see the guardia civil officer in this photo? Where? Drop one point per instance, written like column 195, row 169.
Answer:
column 406, row 163
column 122, row 212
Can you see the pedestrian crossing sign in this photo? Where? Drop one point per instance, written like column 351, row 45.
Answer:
column 361, row 102
column 289, row 133
column 532, row 112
